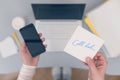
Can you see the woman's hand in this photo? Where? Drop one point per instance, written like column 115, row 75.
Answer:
column 26, row 56
column 97, row 67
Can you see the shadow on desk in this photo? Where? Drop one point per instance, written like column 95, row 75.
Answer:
column 45, row 74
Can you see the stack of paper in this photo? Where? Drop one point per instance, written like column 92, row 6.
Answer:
column 106, row 20
column 8, row 47
column 83, row 44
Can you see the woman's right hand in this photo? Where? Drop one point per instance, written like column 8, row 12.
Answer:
column 97, row 67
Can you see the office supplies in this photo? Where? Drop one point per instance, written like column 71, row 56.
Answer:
column 106, row 21
column 14, row 35
column 83, row 44
column 58, row 22
column 18, row 23
column 32, row 40
column 8, row 47
column 92, row 28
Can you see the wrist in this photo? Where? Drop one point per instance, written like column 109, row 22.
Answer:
column 30, row 63
column 29, row 66
column 96, row 76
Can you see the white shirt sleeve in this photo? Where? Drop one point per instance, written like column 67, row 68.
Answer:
column 26, row 72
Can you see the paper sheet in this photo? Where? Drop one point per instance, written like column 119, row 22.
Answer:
column 106, row 20
column 8, row 47
column 83, row 44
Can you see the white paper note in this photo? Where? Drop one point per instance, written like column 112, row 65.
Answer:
column 83, row 44
column 8, row 47
column 106, row 21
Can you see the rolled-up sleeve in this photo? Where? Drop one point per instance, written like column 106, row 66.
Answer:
column 26, row 72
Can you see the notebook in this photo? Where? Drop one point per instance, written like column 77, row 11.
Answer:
column 83, row 44
column 8, row 47
column 106, row 20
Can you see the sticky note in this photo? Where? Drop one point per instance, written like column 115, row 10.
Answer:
column 83, row 44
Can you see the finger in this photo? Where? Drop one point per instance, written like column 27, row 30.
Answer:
column 91, row 64
column 101, row 61
column 99, row 54
column 101, row 57
column 23, row 48
column 45, row 45
column 43, row 39
column 95, row 58
column 40, row 34
column 85, row 63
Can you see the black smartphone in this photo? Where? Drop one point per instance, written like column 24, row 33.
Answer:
column 32, row 40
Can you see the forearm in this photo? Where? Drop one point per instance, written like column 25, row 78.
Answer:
column 26, row 72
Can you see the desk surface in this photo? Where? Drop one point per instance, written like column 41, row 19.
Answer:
column 10, row 9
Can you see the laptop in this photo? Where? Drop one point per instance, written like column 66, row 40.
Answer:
column 57, row 22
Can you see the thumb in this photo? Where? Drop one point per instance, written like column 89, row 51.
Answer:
column 23, row 48
column 91, row 64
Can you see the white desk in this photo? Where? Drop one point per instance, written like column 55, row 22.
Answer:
column 10, row 9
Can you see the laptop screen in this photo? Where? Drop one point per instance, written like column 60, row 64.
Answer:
column 58, row 11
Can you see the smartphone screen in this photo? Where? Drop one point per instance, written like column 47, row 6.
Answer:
column 32, row 40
